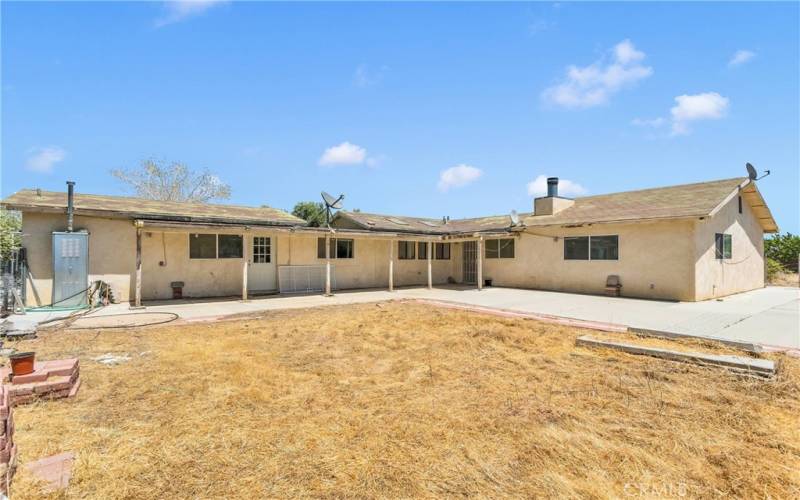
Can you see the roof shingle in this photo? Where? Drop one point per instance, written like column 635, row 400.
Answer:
column 135, row 208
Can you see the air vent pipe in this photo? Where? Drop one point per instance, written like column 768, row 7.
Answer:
column 70, row 204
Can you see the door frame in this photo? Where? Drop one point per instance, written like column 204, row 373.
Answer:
column 273, row 261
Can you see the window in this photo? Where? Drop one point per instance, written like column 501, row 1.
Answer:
column 604, row 247
column 442, row 251
column 740, row 204
column 262, row 250
column 229, row 246
column 576, row 248
column 405, row 250
column 344, row 249
column 202, row 246
column 340, row 248
column 422, row 250
column 591, row 247
column 500, row 249
column 723, row 246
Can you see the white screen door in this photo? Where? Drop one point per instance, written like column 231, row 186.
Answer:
column 261, row 273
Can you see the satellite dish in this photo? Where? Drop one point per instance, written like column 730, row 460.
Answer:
column 751, row 172
column 331, row 202
column 514, row 218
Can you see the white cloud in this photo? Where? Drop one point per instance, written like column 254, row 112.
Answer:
column 648, row 122
column 689, row 108
column 593, row 85
column 343, row 154
column 566, row 187
column 179, row 10
column 741, row 57
column 43, row 160
column 458, row 176
column 364, row 77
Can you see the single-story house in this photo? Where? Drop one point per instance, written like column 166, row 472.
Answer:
column 689, row 242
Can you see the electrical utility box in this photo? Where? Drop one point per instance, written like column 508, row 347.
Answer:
column 70, row 269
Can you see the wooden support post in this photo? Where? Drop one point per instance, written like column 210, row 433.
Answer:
column 391, row 265
column 430, row 264
column 327, row 265
column 138, row 296
column 480, row 263
column 245, row 266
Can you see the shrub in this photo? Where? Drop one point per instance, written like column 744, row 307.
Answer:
column 783, row 249
column 774, row 268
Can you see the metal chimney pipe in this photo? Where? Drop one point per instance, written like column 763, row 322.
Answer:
column 70, row 204
column 552, row 187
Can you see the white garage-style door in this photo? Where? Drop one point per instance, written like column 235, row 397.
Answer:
column 261, row 271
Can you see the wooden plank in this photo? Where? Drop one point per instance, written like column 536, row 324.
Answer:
column 760, row 367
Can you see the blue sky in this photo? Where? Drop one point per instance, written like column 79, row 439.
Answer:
column 416, row 109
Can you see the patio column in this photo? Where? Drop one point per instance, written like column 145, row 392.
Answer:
column 430, row 264
column 138, row 293
column 327, row 265
column 391, row 265
column 245, row 265
column 480, row 263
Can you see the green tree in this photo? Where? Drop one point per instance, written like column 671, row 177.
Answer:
column 173, row 182
column 784, row 249
column 312, row 212
column 10, row 227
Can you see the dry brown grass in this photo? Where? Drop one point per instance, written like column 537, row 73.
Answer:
column 404, row 400
column 785, row 279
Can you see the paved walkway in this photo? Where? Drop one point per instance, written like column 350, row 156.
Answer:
column 769, row 316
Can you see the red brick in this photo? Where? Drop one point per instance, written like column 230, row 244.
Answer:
column 36, row 376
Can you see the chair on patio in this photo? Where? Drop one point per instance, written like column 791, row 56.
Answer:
column 613, row 286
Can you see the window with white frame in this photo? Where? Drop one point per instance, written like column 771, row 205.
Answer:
column 723, row 246
column 499, row 249
column 202, row 246
column 405, row 250
column 442, row 251
column 340, row 248
column 604, row 247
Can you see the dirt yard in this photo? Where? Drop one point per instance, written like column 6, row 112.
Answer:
column 404, row 400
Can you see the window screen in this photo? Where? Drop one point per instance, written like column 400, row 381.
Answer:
column 422, row 250
column 723, row 246
column 230, row 246
column 576, row 248
column 443, row 251
column 202, row 246
column 604, row 247
column 405, row 250
column 492, row 249
column 506, row 248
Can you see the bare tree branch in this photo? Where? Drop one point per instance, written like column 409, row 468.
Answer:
column 173, row 182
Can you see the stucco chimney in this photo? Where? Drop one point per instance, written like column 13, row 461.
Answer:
column 552, row 203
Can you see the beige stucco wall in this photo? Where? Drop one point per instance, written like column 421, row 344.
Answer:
column 745, row 270
column 112, row 253
column 655, row 261
column 665, row 260
column 369, row 267
column 165, row 258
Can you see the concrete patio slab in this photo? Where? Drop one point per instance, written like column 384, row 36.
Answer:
column 769, row 316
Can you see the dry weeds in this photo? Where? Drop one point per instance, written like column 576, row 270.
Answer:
column 404, row 400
